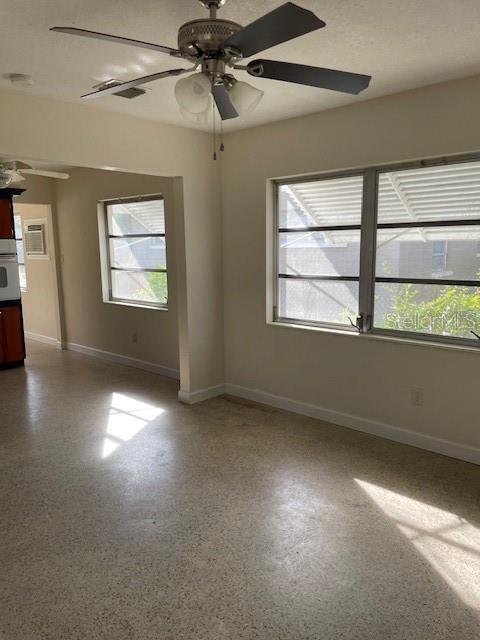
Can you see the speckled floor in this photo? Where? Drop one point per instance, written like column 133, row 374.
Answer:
column 127, row 515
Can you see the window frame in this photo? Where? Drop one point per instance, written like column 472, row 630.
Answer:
column 443, row 254
column 17, row 240
column 368, row 251
column 107, row 267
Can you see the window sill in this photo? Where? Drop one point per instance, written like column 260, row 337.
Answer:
column 378, row 337
column 135, row 305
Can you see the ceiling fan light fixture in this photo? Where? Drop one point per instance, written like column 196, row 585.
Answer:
column 193, row 93
column 201, row 118
column 245, row 97
column 5, row 179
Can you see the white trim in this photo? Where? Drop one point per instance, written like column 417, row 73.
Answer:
column 366, row 425
column 202, row 394
column 45, row 339
column 390, row 432
column 116, row 358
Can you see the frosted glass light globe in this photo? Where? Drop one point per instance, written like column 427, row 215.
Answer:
column 193, row 93
column 198, row 118
column 245, row 97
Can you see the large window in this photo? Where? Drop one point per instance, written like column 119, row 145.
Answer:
column 136, row 260
column 385, row 250
column 20, row 252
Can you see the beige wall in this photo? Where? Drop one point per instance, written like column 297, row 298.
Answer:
column 89, row 321
column 349, row 374
column 82, row 135
column 40, row 300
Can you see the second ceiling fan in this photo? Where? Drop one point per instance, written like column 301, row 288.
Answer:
column 215, row 46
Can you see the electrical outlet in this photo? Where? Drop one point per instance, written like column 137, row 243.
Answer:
column 134, row 338
column 417, row 397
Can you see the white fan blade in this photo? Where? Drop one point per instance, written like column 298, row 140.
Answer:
column 45, row 174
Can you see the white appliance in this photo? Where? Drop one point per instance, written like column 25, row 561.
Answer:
column 9, row 277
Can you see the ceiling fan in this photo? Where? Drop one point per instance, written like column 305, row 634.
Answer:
column 12, row 171
column 215, row 46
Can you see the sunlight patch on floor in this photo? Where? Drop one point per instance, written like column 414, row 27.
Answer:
column 449, row 543
column 126, row 418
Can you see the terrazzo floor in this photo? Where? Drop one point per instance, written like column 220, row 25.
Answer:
column 125, row 514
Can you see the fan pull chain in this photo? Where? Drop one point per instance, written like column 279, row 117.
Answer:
column 214, row 132
column 222, row 146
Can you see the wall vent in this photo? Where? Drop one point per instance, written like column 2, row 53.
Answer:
column 34, row 238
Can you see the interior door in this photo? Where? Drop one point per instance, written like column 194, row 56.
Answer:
column 6, row 219
column 11, row 335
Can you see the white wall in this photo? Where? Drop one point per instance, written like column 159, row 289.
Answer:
column 347, row 374
column 82, row 135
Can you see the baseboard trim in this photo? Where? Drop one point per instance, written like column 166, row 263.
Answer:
column 45, row 339
column 117, row 358
column 365, row 425
column 383, row 430
column 201, row 395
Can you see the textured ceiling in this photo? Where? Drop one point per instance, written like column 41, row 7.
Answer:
column 402, row 43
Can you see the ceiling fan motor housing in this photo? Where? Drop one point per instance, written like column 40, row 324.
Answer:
column 206, row 37
column 212, row 3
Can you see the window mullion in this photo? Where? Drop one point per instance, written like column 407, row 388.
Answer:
column 367, row 250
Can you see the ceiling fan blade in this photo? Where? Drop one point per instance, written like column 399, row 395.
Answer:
column 18, row 164
column 116, row 88
column 44, row 174
column 280, row 25
column 119, row 39
column 313, row 76
column 224, row 104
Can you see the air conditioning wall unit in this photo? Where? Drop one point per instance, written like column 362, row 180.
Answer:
column 35, row 238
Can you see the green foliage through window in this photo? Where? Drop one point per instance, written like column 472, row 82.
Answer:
column 454, row 312
column 157, row 285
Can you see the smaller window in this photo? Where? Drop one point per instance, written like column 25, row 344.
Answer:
column 439, row 257
column 136, row 251
column 20, row 252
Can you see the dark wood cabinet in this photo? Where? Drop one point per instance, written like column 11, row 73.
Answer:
column 12, row 342
column 12, row 339
column 7, row 229
column 7, row 225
